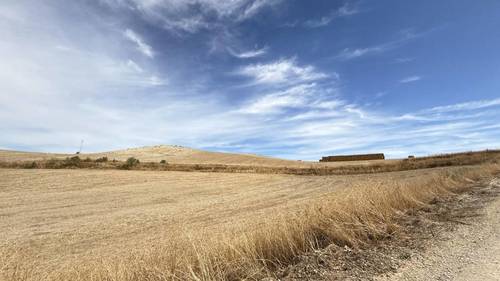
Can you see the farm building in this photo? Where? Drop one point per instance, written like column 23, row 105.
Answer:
column 358, row 157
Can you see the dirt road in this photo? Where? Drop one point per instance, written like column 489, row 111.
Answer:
column 471, row 252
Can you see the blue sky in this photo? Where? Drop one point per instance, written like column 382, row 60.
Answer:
column 293, row 79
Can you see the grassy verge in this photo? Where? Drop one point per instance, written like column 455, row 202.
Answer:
column 356, row 217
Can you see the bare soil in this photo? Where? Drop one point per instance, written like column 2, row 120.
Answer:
column 470, row 252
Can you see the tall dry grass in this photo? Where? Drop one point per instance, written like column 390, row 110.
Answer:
column 354, row 217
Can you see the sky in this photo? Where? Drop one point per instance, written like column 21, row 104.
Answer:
column 291, row 79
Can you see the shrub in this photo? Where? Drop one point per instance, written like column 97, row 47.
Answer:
column 130, row 163
column 72, row 162
column 102, row 159
column 52, row 163
column 74, row 159
column 163, row 162
column 31, row 165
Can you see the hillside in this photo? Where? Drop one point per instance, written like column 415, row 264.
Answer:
column 176, row 155
column 185, row 155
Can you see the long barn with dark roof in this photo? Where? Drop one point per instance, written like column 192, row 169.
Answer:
column 356, row 157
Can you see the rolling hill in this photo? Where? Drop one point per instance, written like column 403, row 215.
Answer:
column 177, row 155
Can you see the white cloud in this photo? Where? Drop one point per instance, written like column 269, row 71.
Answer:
column 248, row 54
column 283, row 71
column 192, row 16
column 472, row 105
column 404, row 37
column 297, row 96
column 144, row 48
column 157, row 81
column 255, row 7
column 348, row 9
column 410, row 79
column 131, row 64
column 329, row 104
column 48, row 76
column 348, row 54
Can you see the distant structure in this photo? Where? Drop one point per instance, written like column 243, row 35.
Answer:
column 358, row 157
column 411, row 157
column 81, row 146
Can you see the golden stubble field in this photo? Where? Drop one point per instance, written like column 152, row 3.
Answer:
column 69, row 212
column 55, row 218
column 78, row 224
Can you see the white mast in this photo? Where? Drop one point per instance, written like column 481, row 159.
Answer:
column 81, row 146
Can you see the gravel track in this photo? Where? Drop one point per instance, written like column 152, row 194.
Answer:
column 471, row 252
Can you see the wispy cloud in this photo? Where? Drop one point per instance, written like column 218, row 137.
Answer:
column 294, row 97
column 248, row 54
column 353, row 53
column 348, row 54
column 131, row 64
column 144, row 48
column 59, row 79
column 254, row 7
column 410, row 79
column 191, row 16
column 472, row 105
column 308, row 99
column 283, row 71
column 348, row 9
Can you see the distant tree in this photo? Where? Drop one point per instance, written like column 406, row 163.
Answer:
column 102, row 159
column 130, row 163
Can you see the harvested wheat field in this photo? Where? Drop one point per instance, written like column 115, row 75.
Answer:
column 79, row 224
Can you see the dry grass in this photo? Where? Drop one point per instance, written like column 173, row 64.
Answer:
column 177, row 155
column 220, row 227
column 171, row 154
column 445, row 160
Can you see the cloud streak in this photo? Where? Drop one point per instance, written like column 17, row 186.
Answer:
column 248, row 54
column 410, row 79
column 192, row 16
column 349, row 54
column 354, row 53
column 346, row 10
column 144, row 48
column 472, row 105
column 283, row 71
